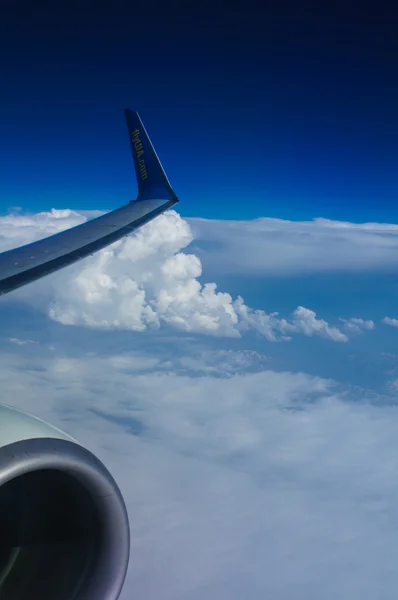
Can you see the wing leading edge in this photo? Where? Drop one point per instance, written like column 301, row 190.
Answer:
column 27, row 263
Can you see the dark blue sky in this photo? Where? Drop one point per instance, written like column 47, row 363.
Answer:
column 293, row 113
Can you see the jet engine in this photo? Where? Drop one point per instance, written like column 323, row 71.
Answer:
column 64, row 531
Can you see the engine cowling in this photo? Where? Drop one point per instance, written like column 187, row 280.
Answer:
column 64, row 530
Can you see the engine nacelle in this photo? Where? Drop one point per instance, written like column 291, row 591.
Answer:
column 64, row 530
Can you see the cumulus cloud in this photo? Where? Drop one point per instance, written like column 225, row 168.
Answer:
column 304, row 321
column 357, row 325
column 389, row 321
column 19, row 229
column 147, row 280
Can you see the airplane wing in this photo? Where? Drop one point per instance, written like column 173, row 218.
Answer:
column 22, row 265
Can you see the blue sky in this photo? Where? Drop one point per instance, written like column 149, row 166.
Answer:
column 298, row 115
column 234, row 363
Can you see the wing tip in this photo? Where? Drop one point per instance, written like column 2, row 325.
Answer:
column 151, row 177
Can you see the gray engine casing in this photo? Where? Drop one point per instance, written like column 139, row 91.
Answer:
column 64, row 530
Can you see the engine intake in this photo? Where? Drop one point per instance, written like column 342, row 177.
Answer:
column 64, row 531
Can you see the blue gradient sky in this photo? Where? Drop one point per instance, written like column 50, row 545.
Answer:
column 297, row 116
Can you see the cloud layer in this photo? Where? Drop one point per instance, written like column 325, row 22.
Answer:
column 241, row 481
column 147, row 280
column 253, row 485
column 284, row 248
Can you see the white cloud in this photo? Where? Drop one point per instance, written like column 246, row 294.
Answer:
column 389, row 321
column 253, row 485
column 357, row 325
column 146, row 280
column 304, row 321
column 20, row 342
column 19, row 229
column 393, row 385
column 240, row 481
column 288, row 248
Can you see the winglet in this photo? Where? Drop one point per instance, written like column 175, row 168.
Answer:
column 151, row 178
